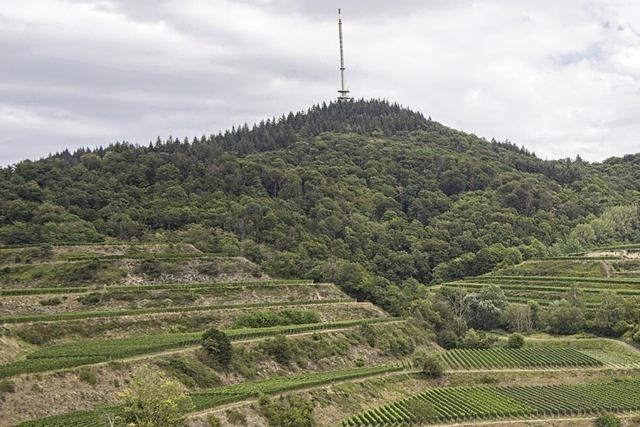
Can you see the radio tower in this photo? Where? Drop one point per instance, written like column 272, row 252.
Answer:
column 344, row 93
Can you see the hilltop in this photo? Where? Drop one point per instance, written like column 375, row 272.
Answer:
column 368, row 194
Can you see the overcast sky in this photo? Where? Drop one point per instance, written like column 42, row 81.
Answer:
column 561, row 77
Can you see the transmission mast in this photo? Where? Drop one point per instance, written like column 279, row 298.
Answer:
column 344, row 92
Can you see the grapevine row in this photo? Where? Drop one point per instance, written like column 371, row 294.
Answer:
column 461, row 404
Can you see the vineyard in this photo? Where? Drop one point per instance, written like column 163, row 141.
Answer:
column 223, row 395
column 104, row 311
column 458, row 404
column 502, row 358
column 86, row 352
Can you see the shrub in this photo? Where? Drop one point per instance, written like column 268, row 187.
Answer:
column 218, row 346
column 279, row 348
column 236, row 417
column 51, row 301
column 7, row 386
column 86, row 376
column 608, row 420
column 150, row 267
column 290, row 411
column 515, row 341
column 154, row 401
column 369, row 334
column 429, row 364
column 213, row 421
column 90, row 299
column 208, row 269
column 359, row 362
column 474, row 339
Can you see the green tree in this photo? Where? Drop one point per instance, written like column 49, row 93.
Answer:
column 563, row 318
column 217, row 346
column 154, row 401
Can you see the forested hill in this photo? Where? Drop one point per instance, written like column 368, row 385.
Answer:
column 368, row 194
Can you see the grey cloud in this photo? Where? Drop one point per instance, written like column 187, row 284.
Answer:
column 558, row 77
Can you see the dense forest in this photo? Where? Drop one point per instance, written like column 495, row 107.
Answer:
column 368, row 194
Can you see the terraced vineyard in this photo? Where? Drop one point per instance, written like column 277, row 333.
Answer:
column 458, row 404
column 108, row 310
column 222, row 395
column 133, row 297
column 503, row 358
column 548, row 280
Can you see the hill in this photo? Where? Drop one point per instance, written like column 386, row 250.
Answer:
column 367, row 194
column 356, row 264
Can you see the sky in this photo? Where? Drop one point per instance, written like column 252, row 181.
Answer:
column 561, row 78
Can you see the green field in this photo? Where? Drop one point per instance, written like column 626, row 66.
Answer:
column 502, row 358
column 457, row 404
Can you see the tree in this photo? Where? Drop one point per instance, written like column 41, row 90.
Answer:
column 154, row 401
column 429, row 364
column 563, row 318
column 218, row 346
column 518, row 317
column 484, row 308
column 515, row 341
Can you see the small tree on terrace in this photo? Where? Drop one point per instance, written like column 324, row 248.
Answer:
column 153, row 401
column 218, row 346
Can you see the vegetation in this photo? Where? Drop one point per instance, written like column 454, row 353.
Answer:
column 153, row 401
column 218, row 347
column 289, row 411
column 472, row 403
column 367, row 194
column 515, row 341
column 608, row 420
column 85, row 352
column 534, row 357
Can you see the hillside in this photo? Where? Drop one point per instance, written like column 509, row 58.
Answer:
column 357, row 264
column 367, row 194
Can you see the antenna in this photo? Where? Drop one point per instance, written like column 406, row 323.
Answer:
column 344, row 93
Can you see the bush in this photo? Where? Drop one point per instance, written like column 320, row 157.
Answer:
column 369, row 334
column 515, row 341
column 290, row 411
column 213, row 421
column 7, row 386
column 608, row 420
column 474, row 339
column 154, row 401
column 86, row 376
column 279, row 348
column 429, row 364
column 359, row 362
column 217, row 346
column 51, row 301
